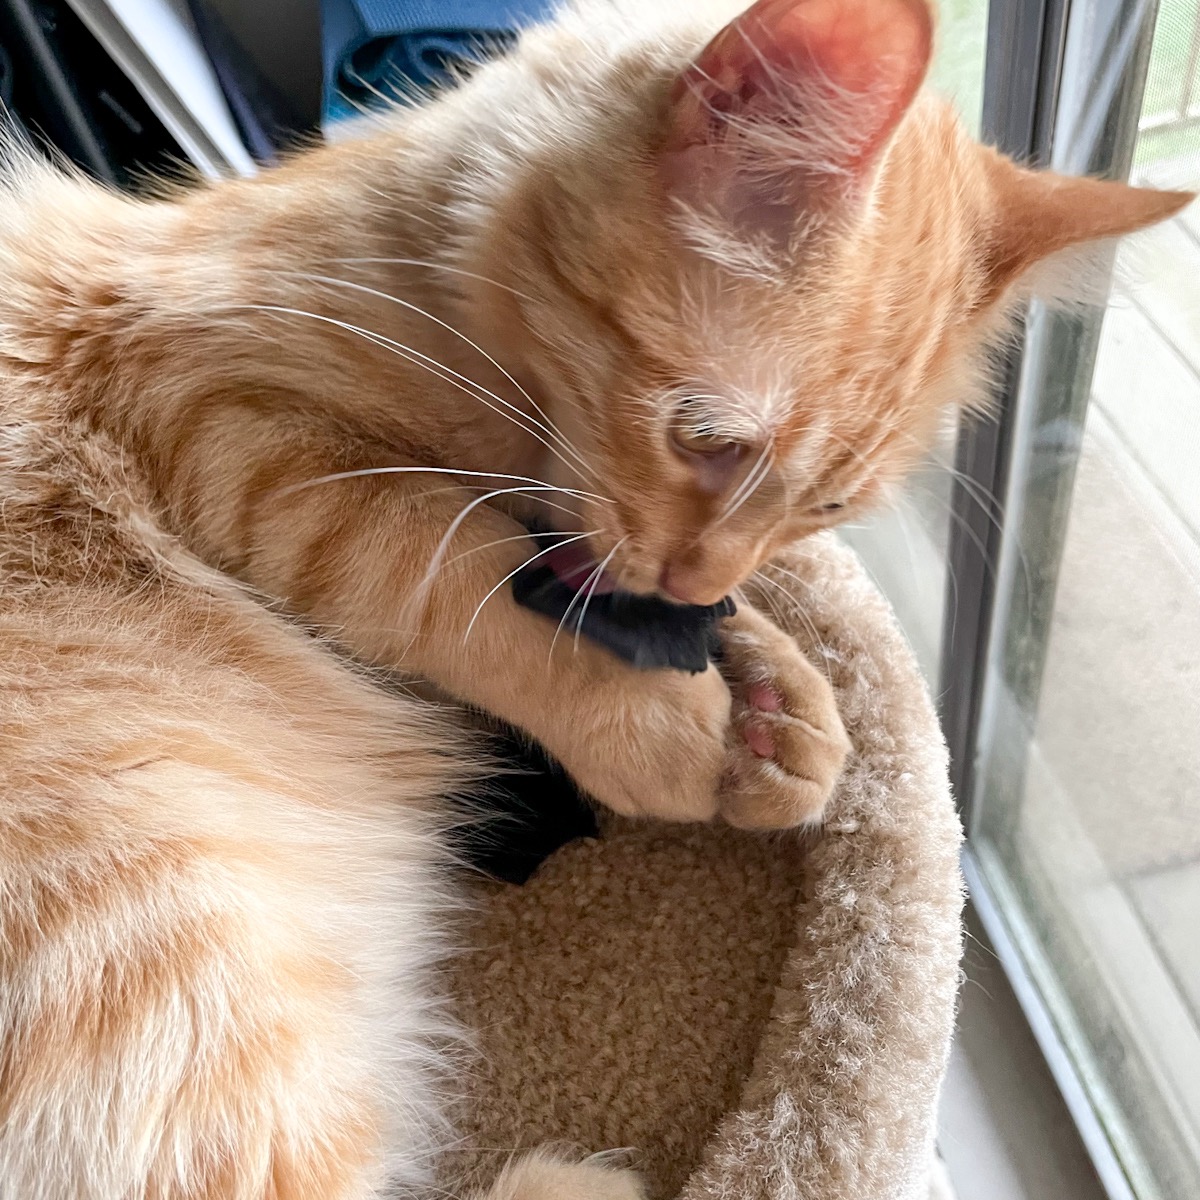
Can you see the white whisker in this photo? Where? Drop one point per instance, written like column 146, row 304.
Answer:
column 516, row 537
column 471, row 624
column 337, row 475
column 750, row 484
column 438, row 369
column 549, row 428
column 571, row 604
column 420, row 593
column 456, row 525
column 434, row 266
column 597, row 575
column 797, row 610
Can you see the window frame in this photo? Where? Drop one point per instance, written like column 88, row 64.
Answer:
column 1023, row 81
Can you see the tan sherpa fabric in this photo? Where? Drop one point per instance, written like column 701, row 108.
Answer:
column 756, row 1018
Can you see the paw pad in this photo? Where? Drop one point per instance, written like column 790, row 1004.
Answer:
column 764, row 697
column 759, row 740
column 761, row 698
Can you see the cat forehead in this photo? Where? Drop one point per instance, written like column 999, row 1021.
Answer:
column 761, row 372
column 765, row 399
column 750, row 400
column 766, row 408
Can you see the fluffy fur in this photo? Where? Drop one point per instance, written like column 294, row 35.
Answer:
column 692, row 298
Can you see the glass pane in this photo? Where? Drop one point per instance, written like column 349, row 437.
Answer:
column 1087, row 813
column 905, row 548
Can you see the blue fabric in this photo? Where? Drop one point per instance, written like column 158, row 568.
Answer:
column 377, row 51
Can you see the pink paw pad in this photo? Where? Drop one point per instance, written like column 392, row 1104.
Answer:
column 759, row 740
column 764, row 697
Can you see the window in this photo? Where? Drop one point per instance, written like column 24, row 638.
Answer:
column 1086, row 796
column 1051, row 587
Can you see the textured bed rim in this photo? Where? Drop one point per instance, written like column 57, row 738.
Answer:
column 830, row 1089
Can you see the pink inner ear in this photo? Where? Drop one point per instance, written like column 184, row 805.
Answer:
column 832, row 49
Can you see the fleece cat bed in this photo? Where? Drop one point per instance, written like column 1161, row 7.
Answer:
column 751, row 1017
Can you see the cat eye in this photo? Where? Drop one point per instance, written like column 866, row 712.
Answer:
column 711, row 445
column 714, row 457
column 715, row 460
column 694, row 437
column 824, row 510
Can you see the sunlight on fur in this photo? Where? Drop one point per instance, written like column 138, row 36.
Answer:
column 684, row 285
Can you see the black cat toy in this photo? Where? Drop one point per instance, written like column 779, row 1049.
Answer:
column 564, row 584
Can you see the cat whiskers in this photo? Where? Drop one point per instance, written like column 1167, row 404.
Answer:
column 593, row 580
column 361, row 472
column 798, row 608
column 530, row 487
column 546, row 425
column 432, row 365
column 579, row 537
column 986, row 501
column 751, row 483
column 795, row 609
column 537, row 499
column 504, row 541
column 433, row 266
column 420, row 596
column 1024, row 571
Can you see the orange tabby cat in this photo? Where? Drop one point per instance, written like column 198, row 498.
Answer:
column 685, row 297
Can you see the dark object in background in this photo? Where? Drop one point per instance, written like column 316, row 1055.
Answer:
column 519, row 818
column 6, row 78
column 380, row 51
column 66, row 90
column 8, row 114
column 265, row 119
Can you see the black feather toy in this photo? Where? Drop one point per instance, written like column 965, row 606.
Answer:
column 645, row 631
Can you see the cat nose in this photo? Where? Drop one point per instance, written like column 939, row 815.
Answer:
column 670, row 583
column 687, row 586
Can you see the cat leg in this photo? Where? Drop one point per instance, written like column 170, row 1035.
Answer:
column 543, row 1176
column 182, row 1021
column 412, row 570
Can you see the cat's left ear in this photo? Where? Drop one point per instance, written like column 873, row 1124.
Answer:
column 794, row 99
column 1036, row 214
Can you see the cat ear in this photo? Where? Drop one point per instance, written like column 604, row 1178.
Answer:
column 1039, row 213
column 794, row 95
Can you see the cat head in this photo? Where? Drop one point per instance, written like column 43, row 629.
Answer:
column 750, row 276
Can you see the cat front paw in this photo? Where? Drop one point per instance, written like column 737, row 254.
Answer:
column 645, row 743
column 787, row 744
